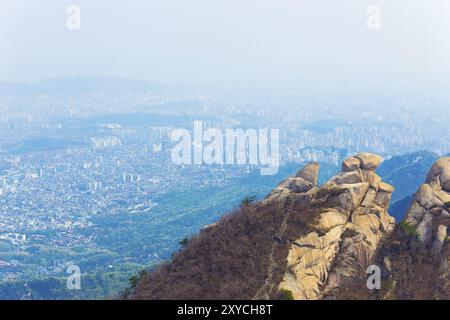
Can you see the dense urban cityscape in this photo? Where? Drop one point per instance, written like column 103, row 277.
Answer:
column 88, row 179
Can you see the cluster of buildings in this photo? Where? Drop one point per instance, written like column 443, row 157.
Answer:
column 50, row 193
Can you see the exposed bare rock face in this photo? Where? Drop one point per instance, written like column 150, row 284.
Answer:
column 310, row 173
column 431, row 204
column 304, row 180
column 415, row 258
column 351, row 218
column 303, row 238
column 428, row 220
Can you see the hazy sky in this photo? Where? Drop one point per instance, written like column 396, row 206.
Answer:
column 223, row 42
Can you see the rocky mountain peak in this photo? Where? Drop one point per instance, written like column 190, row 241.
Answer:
column 317, row 241
column 431, row 204
column 415, row 257
column 310, row 173
column 365, row 161
column 350, row 219
column 440, row 173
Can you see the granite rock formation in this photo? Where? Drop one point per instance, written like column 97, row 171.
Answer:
column 351, row 218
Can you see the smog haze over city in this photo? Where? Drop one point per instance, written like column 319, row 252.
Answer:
column 95, row 96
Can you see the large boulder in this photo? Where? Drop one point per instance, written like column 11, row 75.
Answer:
column 426, row 197
column 383, row 186
column 347, row 177
column 383, row 199
column 441, row 169
column 369, row 161
column 351, row 164
column 431, row 202
column 297, row 185
column 330, row 219
column 310, row 173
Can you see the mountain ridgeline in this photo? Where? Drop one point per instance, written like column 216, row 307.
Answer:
column 311, row 242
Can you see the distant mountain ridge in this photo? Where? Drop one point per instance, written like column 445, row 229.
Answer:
column 77, row 85
column 406, row 173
